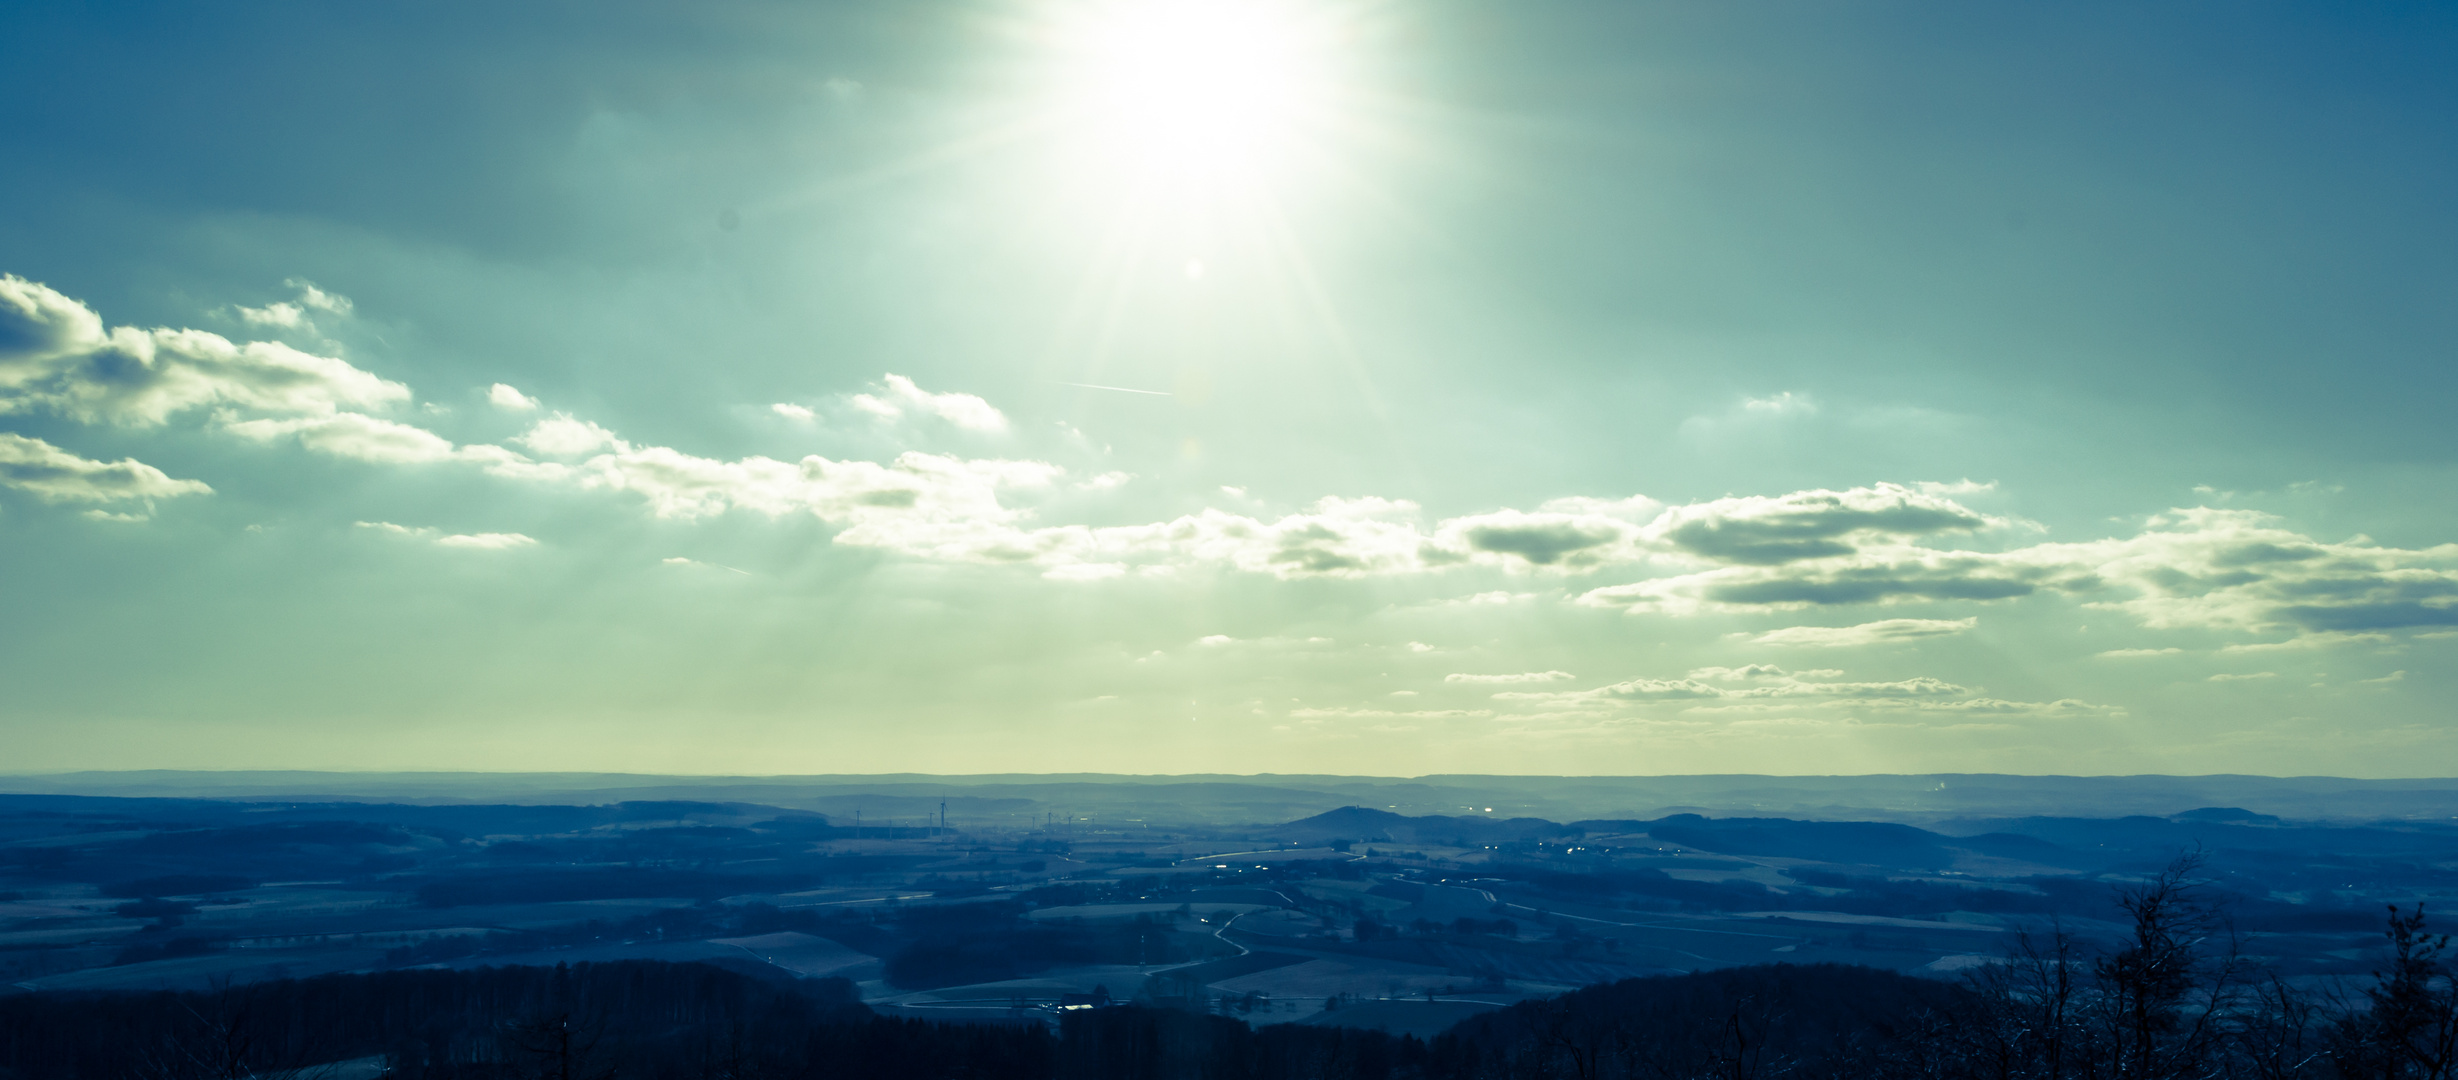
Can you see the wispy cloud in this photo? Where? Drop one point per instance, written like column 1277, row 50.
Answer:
column 1521, row 677
column 1883, row 631
column 47, row 472
column 492, row 541
column 1760, row 686
column 901, row 396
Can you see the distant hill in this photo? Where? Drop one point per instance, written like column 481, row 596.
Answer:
column 1025, row 800
column 1365, row 826
column 2073, row 843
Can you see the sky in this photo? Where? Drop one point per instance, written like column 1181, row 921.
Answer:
column 1177, row 386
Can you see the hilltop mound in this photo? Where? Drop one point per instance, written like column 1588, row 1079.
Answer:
column 1363, row 825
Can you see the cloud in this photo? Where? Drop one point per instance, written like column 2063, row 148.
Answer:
column 351, row 435
column 1759, row 672
column 487, row 541
column 2135, row 654
column 1769, row 531
column 901, row 396
column 1864, row 546
column 2059, row 707
column 790, row 411
column 927, row 505
column 1891, row 574
column 1539, row 539
column 2323, row 640
column 507, row 398
column 2232, row 677
column 55, row 355
column 1760, row 687
column 2236, row 568
column 469, row 541
column 2198, row 567
column 55, row 475
column 1763, row 682
column 1569, row 533
column 561, row 436
column 678, row 560
column 1388, row 714
column 1522, row 677
column 1883, row 631
column 1786, row 403
column 292, row 315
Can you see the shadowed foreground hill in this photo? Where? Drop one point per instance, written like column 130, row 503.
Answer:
column 640, row 1019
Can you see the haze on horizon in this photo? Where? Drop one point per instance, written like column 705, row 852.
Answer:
column 1189, row 386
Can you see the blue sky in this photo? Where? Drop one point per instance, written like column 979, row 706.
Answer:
column 1204, row 385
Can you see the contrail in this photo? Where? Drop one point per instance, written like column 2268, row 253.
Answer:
column 1120, row 389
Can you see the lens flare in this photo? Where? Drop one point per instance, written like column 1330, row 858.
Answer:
column 1196, row 95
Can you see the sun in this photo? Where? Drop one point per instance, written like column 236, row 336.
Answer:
column 1194, row 95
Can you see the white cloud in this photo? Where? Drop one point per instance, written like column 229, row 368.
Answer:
column 504, row 396
column 1883, row 631
column 561, row 436
column 351, row 435
column 2232, row 677
column 1767, row 683
column 1952, row 488
column 55, row 475
column 55, row 355
column 1760, row 687
column 2135, row 654
column 1387, row 714
column 1760, row 673
column 311, row 296
column 1786, row 403
column 791, row 411
column 285, row 315
column 487, row 541
column 1521, row 677
column 1863, row 546
column 290, row 315
column 901, row 395
column 467, row 541
column 2059, row 707
column 2324, row 640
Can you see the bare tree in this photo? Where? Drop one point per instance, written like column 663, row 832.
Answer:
column 2032, row 1008
column 555, row 1048
column 2409, row 1029
column 216, row 1041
